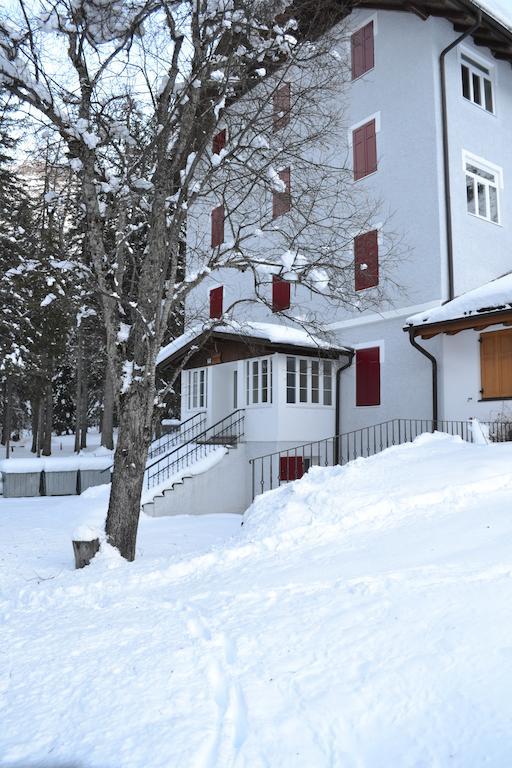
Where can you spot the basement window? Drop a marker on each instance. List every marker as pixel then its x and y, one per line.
pixel 477 83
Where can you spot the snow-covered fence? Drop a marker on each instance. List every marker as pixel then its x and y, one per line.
pixel 272 469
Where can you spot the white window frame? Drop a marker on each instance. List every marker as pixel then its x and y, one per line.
pixel 307 364
pixel 485 167
pixel 254 372
pixel 197 390
pixel 483 70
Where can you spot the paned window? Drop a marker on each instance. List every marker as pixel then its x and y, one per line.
pixel 258 381
pixel 308 381
pixel 482 192
pixel 477 84
pixel 197 382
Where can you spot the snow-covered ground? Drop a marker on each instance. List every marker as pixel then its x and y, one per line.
pixel 361 618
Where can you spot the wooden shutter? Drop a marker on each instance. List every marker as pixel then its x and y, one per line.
pixel 496 364
pixel 281 104
pixel 363 57
pixel 217 226
pixel 216 299
pixel 366 260
pixel 280 294
pixel 219 142
pixel 368 376
pixel 364 141
pixel 290 468
pixel 281 201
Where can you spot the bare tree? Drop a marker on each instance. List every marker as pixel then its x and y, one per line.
pixel 146 86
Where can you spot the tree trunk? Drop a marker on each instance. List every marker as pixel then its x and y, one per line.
pixel 35 406
pixel 48 418
pixel 8 415
pixel 107 417
pixel 131 453
pixel 84 409
pixel 78 393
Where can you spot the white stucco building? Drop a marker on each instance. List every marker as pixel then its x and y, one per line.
pixel 428 116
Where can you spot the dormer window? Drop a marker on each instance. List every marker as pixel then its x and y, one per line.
pixel 477 84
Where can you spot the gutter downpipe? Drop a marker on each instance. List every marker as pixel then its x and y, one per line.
pixel 338 405
pixel 446 151
pixel 435 404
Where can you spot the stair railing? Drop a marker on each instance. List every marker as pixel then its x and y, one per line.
pixel 227 431
pixel 186 430
pixel 272 469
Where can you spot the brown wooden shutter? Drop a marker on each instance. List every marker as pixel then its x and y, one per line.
pixel 368 376
pixel 217 226
pixel 281 201
pixel 219 142
pixel 366 260
pixel 281 294
pixel 363 56
pixel 281 103
pixel 216 297
pixel 496 364
pixel 364 141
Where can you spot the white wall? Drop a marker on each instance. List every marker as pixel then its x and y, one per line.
pixel 460 380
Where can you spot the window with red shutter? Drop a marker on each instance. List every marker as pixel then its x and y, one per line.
pixel 281 107
pixel 368 376
pixel 280 294
pixel 281 201
pixel 216 298
pixel 363 55
pixel 364 144
pixel 219 142
pixel 217 226
pixel 290 468
pixel 366 260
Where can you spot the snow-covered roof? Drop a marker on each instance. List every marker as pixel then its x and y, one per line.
pixel 271 333
pixel 501 10
pixel 491 297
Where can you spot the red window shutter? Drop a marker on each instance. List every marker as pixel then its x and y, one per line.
pixel 217 226
pixel 364 141
pixel 368 376
pixel 366 260
pixel 281 201
pixel 219 142
pixel 280 294
pixel 368 45
pixel 357 41
pixel 290 468
pixel 281 104
pixel 363 57
pixel 216 298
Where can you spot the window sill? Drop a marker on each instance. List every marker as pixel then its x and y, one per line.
pixel 494 399
pixel 478 106
pixel 359 77
pixel 481 218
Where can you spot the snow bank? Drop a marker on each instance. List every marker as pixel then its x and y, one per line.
pixel 372 491
pixel 361 617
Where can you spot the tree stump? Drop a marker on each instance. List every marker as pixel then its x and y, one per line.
pixel 84 551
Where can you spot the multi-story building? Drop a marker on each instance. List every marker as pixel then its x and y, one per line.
pixel 429 115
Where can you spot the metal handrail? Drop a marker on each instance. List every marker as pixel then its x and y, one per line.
pixel 230 426
pixel 276 467
pixel 161 444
